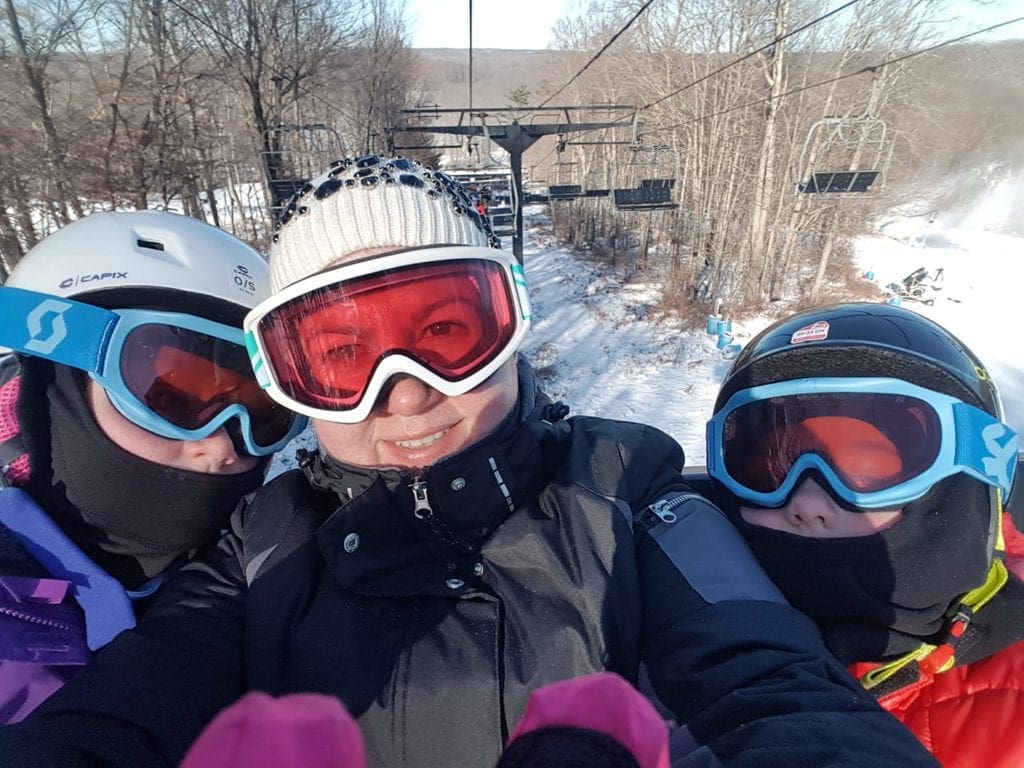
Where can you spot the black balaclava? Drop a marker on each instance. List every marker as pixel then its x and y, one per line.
pixel 879 596
pixel 133 517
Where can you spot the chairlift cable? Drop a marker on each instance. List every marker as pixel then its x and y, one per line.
pixel 721 69
pixel 597 55
pixel 743 58
pixel 863 70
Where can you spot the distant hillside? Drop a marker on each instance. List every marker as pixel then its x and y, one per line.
pixel 444 73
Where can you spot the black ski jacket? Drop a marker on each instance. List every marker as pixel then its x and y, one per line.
pixel 432 607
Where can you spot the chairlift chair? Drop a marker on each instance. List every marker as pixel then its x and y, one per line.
pixel 646 182
pixel 564 181
pixel 844 156
pixel 496 184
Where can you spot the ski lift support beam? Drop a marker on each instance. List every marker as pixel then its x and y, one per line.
pixel 514 137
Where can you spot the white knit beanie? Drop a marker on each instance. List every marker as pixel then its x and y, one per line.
pixel 371 202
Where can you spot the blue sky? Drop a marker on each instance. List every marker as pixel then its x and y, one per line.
pixel 526 24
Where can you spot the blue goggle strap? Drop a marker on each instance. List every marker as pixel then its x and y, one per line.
pixel 83 336
pixel 985 447
pixel 61 330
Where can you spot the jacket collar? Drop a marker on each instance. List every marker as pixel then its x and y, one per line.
pixel 378 539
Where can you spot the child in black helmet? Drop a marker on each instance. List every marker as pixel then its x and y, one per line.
pixel 861 451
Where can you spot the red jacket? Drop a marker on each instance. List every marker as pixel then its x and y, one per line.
pixel 970 716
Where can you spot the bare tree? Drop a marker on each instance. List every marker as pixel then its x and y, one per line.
pixel 275 47
pixel 38 31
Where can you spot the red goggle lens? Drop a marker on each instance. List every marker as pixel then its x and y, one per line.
pixel 452 317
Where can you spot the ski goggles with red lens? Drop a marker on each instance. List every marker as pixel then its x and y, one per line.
pixel 450 316
pixel 179 376
pixel 878 442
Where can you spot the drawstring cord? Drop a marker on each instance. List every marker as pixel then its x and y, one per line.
pixel 936 659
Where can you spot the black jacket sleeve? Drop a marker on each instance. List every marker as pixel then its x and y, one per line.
pixel 115 712
pixel 747 675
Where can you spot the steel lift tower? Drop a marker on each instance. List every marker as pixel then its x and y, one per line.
pixel 513 136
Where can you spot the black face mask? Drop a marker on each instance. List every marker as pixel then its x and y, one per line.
pixel 132 516
pixel 879 596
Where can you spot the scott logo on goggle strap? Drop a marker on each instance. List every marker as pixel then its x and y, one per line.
pixel 46 327
pixel 68 282
pixel 1003 458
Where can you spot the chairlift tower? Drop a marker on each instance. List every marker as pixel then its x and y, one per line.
pixel 513 136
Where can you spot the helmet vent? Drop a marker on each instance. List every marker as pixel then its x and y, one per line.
pixel 153 244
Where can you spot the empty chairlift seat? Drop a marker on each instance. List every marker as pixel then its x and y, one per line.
pixel 652 198
pixel 840 182
pixel 565 191
pixel 503 219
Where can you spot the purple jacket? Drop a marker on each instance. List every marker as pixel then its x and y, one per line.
pixel 49 626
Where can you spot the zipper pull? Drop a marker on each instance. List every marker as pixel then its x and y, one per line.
pixel 663 510
pixel 422 510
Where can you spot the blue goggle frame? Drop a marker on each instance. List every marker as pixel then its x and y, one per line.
pixel 91 339
pixel 971 441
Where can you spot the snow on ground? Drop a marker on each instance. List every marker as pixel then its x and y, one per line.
pixel 596 346
pixel 976 298
pixel 608 360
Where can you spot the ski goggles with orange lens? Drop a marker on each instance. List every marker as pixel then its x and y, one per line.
pixel 450 316
pixel 178 376
pixel 878 442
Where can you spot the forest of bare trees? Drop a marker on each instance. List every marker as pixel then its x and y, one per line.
pixel 135 103
pixel 141 103
pixel 741 133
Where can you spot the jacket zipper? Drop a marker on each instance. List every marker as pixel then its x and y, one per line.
pixel 664 510
pixel 36 619
pixel 422 510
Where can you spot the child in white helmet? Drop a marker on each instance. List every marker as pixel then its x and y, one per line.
pixel 130 424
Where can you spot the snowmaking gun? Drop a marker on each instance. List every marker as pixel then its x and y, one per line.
pixel 917 286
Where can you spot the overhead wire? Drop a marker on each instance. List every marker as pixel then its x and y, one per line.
pixel 723 68
pixel 743 58
pixel 870 68
pixel 597 55
pixel 863 70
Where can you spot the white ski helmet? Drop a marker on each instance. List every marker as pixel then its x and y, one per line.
pixel 118 259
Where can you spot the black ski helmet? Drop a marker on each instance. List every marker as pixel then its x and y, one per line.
pixel 863 339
